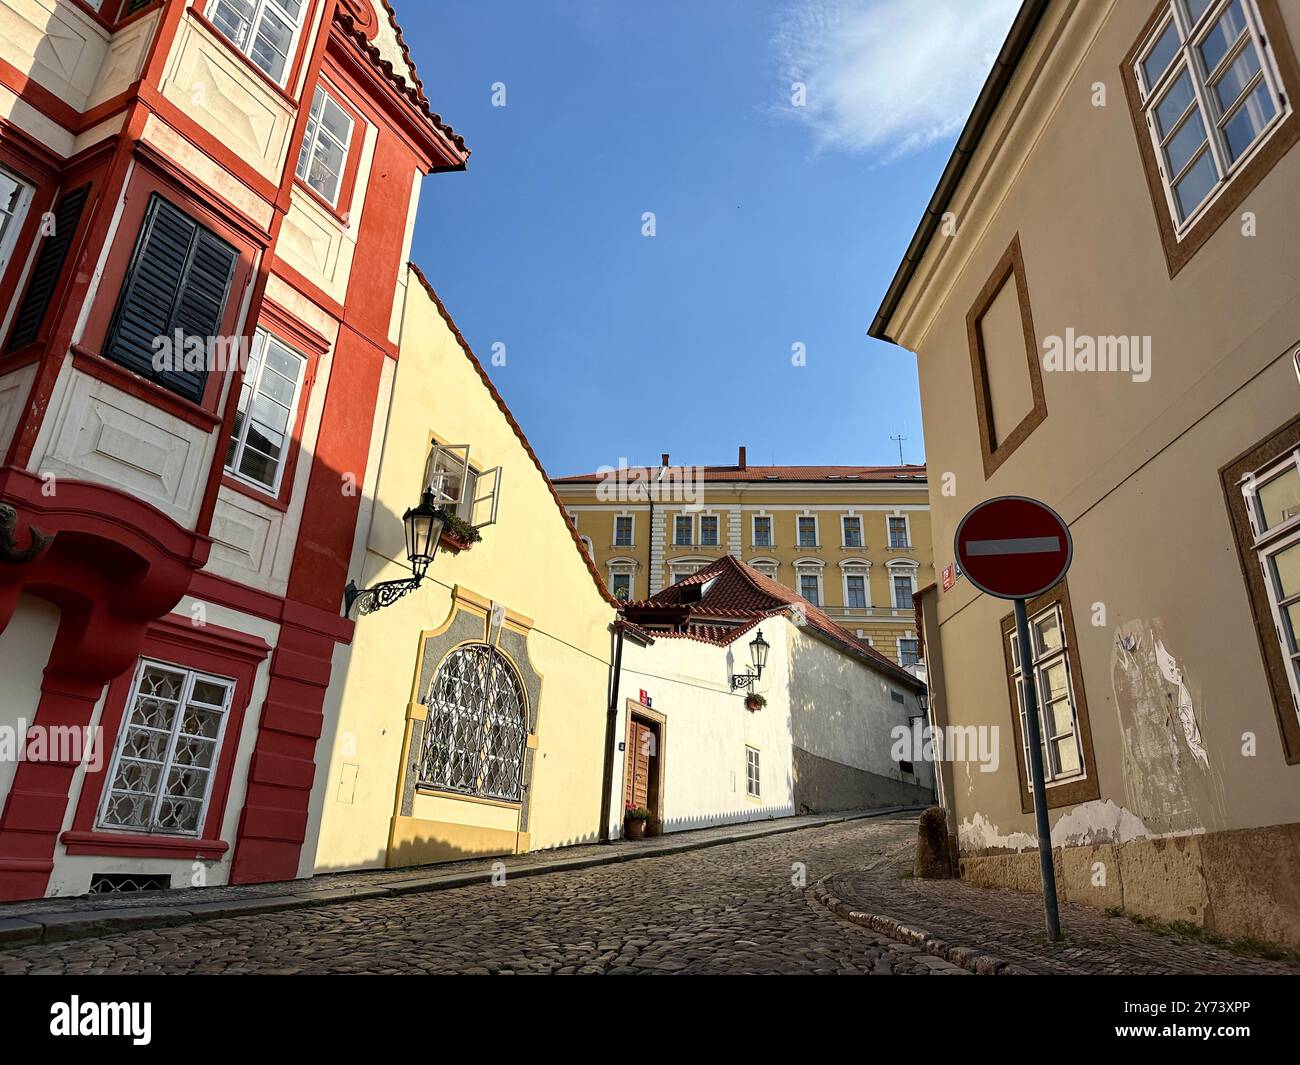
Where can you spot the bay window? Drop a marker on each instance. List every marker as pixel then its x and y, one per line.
pixel 266 31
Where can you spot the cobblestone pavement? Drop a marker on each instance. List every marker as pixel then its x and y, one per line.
pixel 1009 924
pixel 726 909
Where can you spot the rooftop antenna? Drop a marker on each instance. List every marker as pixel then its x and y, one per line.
pixel 900 440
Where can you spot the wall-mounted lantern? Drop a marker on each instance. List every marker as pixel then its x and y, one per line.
pixel 423 525
pixel 758 649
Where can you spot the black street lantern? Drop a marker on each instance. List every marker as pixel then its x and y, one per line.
pixel 758 648
pixel 423 531
pixel 423 526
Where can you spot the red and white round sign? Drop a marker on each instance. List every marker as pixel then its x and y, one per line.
pixel 1013 547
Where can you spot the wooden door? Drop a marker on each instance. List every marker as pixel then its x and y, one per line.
pixel 640 747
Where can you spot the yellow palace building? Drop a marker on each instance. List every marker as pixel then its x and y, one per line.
pixel 854 540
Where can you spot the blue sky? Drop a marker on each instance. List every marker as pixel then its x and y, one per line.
pixel 775 225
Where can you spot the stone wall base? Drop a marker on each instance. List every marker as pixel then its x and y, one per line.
pixel 1239 883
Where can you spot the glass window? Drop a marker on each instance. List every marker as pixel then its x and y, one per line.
pixel 709 529
pixel 621 585
pixel 1209 97
pixel 856 590
pixel 852 531
pixel 898 533
pixel 903 589
pixel 807 532
pixel 753 778
pixel 623 531
pixel 762 530
pixel 909 652
pixel 683 529
pixel 167 752
pixel 264 30
pixel 808 588
pixel 477 727
pixel 1062 756
pixel 15 197
pixel 325 147
pixel 264 420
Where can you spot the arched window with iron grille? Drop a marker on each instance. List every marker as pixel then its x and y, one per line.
pixel 477 727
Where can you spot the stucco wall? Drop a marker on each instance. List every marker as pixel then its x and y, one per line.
pixel 527 561
pixel 1132 466
pixel 842 717
pixel 708 729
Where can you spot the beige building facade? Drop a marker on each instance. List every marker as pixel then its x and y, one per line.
pixel 1104 303
pixel 854 540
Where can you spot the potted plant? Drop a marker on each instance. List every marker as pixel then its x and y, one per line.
pixel 634 821
pixel 754 701
pixel 457 533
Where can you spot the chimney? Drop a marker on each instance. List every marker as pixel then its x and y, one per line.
pixel 741 461
pixel 665 458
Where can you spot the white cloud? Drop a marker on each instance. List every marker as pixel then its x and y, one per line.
pixel 889 77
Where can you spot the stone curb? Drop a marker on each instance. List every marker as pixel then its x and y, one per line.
pixel 968 958
pixel 38 927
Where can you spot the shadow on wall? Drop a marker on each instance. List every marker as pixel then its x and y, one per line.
pixel 842 717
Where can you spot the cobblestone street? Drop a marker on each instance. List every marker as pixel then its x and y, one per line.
pixel 726 909
pixel 729 908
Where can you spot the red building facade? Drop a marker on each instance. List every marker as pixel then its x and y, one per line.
pixel 178 516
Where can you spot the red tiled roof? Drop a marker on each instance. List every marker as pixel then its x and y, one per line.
pixel 869 474
pixel 519 433
pixel 413 92
pixel 742 594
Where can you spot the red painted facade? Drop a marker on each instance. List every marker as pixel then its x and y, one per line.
pixel 119 563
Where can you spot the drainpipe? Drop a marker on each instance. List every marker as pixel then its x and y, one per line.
pixel 611 724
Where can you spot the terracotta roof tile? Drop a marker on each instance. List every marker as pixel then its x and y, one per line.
pixel 740 592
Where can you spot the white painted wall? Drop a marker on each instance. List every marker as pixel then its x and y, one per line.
pixel 709 728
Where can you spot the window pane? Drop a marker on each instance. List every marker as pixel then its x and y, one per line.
pixel 1292 615
pixel 1232 83
pixel 270 414
pixel 271 46
pixel 1174 104
pixel 1053 682
pixel 1060 717
pixel 1067 756
pixel 335 121
pixel 1161 55
pixel 1185 143
pixel 1286 571
pixel 1244 127
pixel 233 18
pixel 1195 9
pixel 1231 25
pixel 1047 633
pixel 1195 185
pixel 1279 498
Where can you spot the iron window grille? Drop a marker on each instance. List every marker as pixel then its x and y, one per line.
pixel 477 727
pixel 166 755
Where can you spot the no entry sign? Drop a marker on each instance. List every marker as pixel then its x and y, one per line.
pixel 1013 547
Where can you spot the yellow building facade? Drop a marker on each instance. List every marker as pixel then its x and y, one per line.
pixel 854 540
pixel 472 716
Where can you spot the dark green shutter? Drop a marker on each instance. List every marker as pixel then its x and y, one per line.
pixel 49 267
pixel 179 278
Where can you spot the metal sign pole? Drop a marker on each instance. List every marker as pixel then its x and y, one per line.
pixel 1036 772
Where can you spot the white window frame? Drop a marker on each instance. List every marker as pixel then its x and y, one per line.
pixel 762 563
pixel 907 532
pixel 261 340
pixel 844 531
pixel 754 519
pixel 622 567
pixel 908 639
pixel 312 138
pixel 817 531
pixel 245 48
pixel 1267 544
pixel 16 218
pixel 717 530
pixel 895 572
pixel 753 772
pixel 677 518
pixel 860 569
pixel 466 501
pixel 191 676
pixel 810 567
pixel 1041 660
pixel 631 530
pixel 1188 58
pixel 681 568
